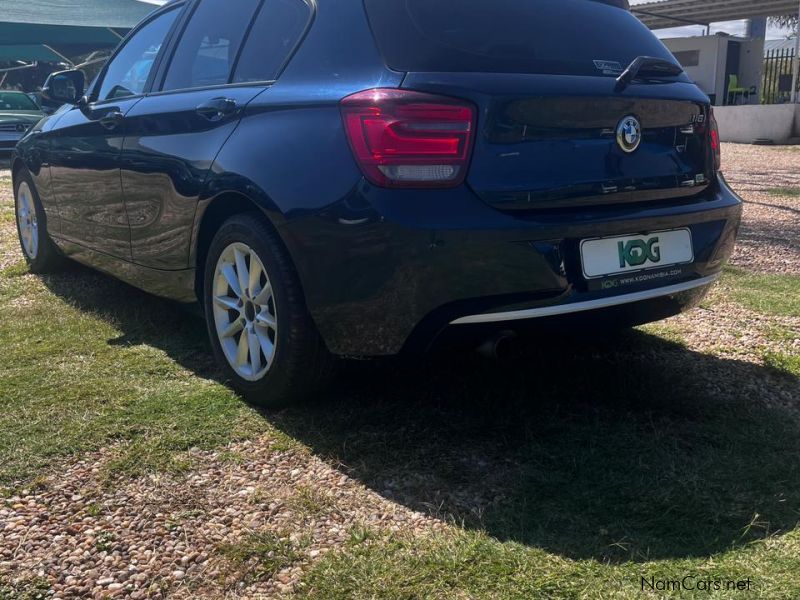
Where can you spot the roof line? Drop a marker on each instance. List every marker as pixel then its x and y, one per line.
pixel 668 17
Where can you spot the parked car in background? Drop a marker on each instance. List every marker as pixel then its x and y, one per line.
pixel 360 177
pixel 18 114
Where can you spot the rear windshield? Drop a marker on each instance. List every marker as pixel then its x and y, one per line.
pixel 570 37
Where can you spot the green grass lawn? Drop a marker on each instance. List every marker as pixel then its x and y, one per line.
pixel 465 564
pixel 88 363
pixel 785 191
pixel 572 470
pixel 768 294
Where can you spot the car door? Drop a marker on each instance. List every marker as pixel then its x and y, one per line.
pixel 174 134
pixel 86 145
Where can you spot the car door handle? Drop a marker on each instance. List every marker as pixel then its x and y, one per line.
pixel 112 120
pixel 217 109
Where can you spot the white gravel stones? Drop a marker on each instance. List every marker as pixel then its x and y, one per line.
pixel 153 535
pixel 770 237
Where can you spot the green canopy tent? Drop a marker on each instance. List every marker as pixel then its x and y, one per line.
pixel 27 53
pixel 55 30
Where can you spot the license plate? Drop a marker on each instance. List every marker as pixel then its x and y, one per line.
pixel 611 256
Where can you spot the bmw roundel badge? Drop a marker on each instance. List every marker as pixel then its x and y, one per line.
pixel 629 134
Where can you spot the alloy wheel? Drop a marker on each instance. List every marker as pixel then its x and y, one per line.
pixel 27 221
pixel 245 313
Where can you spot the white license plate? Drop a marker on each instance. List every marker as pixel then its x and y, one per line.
pixel 612 256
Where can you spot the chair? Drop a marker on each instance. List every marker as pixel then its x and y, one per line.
pixel 734 89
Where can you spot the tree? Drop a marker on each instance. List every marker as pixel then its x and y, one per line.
pixel 786 21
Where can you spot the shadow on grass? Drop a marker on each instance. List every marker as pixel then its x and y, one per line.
pixel 632 449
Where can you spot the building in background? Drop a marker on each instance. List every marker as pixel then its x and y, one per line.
pixel 755 86
pixel 727 68
pixel 730 69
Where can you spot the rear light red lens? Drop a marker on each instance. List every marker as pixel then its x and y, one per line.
pixel 402 138
pixel 716 147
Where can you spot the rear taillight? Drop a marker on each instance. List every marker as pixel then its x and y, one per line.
pixel 402 138
pixel 713 138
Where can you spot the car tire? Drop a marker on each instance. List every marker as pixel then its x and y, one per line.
pixel 38 248
pixel 260 329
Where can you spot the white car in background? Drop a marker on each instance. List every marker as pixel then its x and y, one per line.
pixel 18 113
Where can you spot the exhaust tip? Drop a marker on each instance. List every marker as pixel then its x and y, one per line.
pixel 498 346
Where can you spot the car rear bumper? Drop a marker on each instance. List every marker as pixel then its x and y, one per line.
pixel 386 271
pixel 580 306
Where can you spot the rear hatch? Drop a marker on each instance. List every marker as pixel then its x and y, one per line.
pixel 543 75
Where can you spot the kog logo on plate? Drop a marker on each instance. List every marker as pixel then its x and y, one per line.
pixel 635 253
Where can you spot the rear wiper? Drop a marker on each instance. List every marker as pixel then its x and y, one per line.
pixel 647 66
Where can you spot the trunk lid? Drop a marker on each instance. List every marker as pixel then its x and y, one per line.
pixel 550 141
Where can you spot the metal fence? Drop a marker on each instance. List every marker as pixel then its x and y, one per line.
pixel 777 85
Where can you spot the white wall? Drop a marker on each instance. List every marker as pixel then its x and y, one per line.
pixel 745 124
pixel 797 122
pixel 705 74
pixel 710 74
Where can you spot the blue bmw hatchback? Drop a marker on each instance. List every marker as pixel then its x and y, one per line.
pixel 359 177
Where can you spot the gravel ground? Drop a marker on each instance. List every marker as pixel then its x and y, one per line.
pixel 727 330
pixel 769 242
pixel 160 536
pixel 770 237
pixel 154 534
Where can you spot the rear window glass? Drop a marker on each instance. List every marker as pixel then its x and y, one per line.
pixel 571 37
pixel 277 29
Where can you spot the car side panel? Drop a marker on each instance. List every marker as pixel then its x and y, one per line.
pixel 166 157
pixel 173 285
pixel 84 168
pixel 290 153
pixel 33 151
